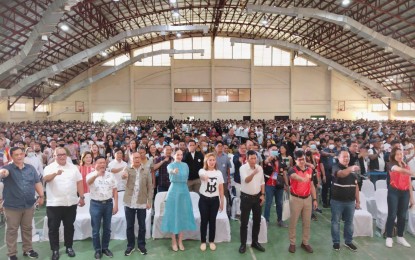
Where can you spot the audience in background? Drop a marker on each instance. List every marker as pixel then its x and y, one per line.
pixel 57 146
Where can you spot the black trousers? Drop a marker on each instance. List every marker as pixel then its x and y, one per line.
pixel 326 189
pixel 208 208
pixel 248 203
pixel 56 215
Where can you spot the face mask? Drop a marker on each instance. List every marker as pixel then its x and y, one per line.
pixel 317 143
pixel 223 136
pixel 274 153
pixel 31 154
pixel 313 147
pixel 268 136
pixel 204 148
pixel 331 146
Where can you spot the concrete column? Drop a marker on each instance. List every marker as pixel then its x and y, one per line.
pixel 132 88
pixel 251 82
pixel 212 79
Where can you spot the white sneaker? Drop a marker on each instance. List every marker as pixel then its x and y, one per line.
pixel 402 241
pixel 389 242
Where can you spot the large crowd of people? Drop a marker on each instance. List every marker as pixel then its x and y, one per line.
pixel 311 160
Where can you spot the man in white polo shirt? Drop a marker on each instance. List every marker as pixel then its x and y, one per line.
pixel 252 198
pixel 103 188
pixel 64 181
pixel 116 167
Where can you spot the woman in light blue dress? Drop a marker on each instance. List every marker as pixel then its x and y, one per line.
pixel 178 211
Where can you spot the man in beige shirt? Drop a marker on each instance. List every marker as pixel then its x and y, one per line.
pixel 137 199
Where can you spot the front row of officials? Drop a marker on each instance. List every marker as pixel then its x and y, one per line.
pixel 21 182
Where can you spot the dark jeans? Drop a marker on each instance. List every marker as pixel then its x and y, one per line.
pixel 326 190
pixel 342 210
pixel 398 201
pixel 375 176
pixel 248 203
pixel 208 208
pixel 130 215
pixel 101 212
pixel 270 193
pixel 56 215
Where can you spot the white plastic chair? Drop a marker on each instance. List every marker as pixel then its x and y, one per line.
pixel 223 227
pixel 381 196
pixel 118 221
pixel 263 232
pixel 362 220
pixel 381 184
pixel 236 200
pixel 82 224
pixel 368 189
pixel 158 215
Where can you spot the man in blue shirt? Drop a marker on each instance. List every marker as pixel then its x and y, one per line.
pixel 20 183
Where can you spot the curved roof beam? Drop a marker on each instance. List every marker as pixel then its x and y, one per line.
pixel 33 79
pixel 77 86
pixel 37 38
pixel 373 86
pixel 388 43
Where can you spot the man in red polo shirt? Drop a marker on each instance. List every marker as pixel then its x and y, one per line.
pixel 302 199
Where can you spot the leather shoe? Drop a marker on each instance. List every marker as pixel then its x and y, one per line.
pixel 258 246
pixel 242 249
pixel 307 248
pixel 291 249
pixel 55 255
pixel 98 254
pixel 70 252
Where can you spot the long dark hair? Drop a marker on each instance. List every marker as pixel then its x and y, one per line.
pixel 392 159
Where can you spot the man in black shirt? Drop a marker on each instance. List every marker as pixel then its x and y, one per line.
pixel 194 160
pixel 345 192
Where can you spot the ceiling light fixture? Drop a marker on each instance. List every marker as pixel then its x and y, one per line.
pixel 265 21
pixel 178 35
pixel 64 27
pixel 172 1
pixel 104 54
pixel 346 2
pixel 176 14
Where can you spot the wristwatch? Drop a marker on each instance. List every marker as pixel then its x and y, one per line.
pixel 82 197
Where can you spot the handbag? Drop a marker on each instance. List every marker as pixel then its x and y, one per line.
pixel 286 206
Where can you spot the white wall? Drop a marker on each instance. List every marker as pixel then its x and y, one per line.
pixel 15 116
pixel 298 92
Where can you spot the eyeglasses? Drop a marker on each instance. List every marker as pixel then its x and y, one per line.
pixel 61 155
pixel 301 159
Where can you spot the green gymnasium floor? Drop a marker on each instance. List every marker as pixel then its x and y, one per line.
pixel 276 248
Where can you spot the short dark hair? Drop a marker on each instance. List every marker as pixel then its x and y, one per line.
pixel 99 157
pixel 218 142
pixel 13 149
pixel 191 141
pixel 250 152
pixel 298 154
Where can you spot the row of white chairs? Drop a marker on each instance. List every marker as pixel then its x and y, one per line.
pixel 377 204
